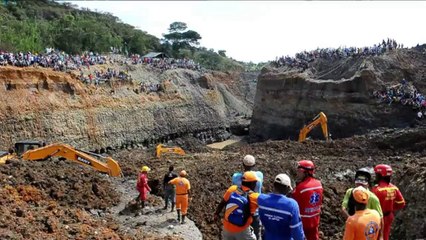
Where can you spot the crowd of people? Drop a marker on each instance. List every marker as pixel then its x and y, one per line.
pixel 100 76
pixel 289 212
pixel 403 93
pixel 165 63
pixel 302 59
pixel 58 60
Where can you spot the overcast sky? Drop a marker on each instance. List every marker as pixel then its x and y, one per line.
pixel 260 31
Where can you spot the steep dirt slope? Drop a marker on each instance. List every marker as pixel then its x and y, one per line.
pixel 287 99
pixel 52 106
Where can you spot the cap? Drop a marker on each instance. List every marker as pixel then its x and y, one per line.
pixel 283 179
pixel 183 173
pixel 360 195
pixel 249 160
pixel 249 176
pixel 145 169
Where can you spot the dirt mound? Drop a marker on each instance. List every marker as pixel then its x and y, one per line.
pixel 411 222
pixel 45 199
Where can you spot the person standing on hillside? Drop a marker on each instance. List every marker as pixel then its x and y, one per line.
pixel 249 163
pixel 389 195
pixel 308 194
pixel 279 214
pixel 240 204
pixel 169 189
pixel 365 223
pixel 183 194
pixel 142 185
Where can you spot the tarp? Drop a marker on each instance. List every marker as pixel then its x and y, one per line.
pixel 155 55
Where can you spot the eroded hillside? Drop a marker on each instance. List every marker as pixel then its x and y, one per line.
pixel 54 106
pixel 286 98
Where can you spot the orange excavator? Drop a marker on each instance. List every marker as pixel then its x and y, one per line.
pixel 33 150
pixel 161 149
pixel 318 119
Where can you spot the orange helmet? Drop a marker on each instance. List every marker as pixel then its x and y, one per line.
pixel 307 165
pixel 249 176
pixel 183 173
pixel 383 170
pixel 360 195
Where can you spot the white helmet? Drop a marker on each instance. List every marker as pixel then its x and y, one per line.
pixel 249 160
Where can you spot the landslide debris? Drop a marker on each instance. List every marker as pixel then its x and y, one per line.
pixel 60 200
pixel 210 175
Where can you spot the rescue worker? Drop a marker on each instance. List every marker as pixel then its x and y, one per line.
pixel 249 163
pixel 279 214
pixel 308 194
pixel 362 178
pixel 142 185
pixel 230 230
pixel 169 189
pixel 183 194
pixel 365 223
pixel 389 195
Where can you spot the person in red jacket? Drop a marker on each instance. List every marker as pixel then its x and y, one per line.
pixel 142 185
pixel 308 194
pixel 389 196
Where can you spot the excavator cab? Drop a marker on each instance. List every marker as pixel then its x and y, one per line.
pixel 321 118
pixel 23 146
pixel 161 149
pixel 4 156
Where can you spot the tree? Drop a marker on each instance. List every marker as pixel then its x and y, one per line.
pixel 222 53
pixel 181 38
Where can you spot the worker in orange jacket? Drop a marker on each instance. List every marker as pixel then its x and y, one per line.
pixel 365 223
pixel 183 194
pixel 389 195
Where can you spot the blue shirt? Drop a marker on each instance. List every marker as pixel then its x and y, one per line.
pixel 281 217
pixel 237 179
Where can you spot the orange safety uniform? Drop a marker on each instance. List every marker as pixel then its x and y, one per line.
pixel 182 187
pixel 391 200
pixel 232 228
pixel 363 225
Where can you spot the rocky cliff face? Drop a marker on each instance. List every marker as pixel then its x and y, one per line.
pixel 56 107
pixel 287 99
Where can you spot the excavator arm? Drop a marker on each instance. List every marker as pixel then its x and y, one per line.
pixel 160 149
pixel 319 119
pixel 110 167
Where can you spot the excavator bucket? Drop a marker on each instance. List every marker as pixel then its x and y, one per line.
pixel 115 170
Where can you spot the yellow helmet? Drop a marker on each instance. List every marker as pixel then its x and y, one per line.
pixel 145 169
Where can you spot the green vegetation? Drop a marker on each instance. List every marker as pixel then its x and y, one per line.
pixel 33 25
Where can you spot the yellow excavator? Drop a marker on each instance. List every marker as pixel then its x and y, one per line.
pixel 33 150
pixel 318 119
pixel 161 149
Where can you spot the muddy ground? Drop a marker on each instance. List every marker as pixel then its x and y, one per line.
pixel 57 199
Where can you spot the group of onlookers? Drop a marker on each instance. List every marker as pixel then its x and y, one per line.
pixel 165 63
pixel 58 60
pixel 302 59
pixel 404 93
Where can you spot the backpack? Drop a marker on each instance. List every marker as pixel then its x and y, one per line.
pixel 237 210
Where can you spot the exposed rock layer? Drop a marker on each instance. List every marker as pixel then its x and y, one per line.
pixel 286 99
pixel 56 107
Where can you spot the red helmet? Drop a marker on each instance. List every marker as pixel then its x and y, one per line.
pixel 307 165
pixel 383 170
